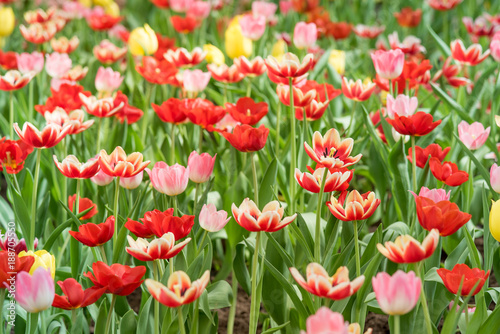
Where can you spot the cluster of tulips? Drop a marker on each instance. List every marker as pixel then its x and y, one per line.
pixel 249 122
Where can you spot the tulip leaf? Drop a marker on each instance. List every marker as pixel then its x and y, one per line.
pixel 240 269
pixel 475 96
pixel 145 319
pixel 490 244
pixel 268 182
pixel 128 323
pixel 100 324
pixel 451 102
pixel 320 65
pixel 55 234
pixel 445 49
pixel 275 329
pixel 220 295
pixel 492 324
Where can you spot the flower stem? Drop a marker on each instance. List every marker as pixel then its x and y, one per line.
pixel 255 183
pixel 278 119
pixel 157 303
pixel 201 243
pixel 74 244
pixel 356 249
pixel 11 115
pixel 254 305
pixel 414 164
pixel 30 114
pixel 397 329
pixel 423 300
pixel 249 87
pixel 293 163
pixel 232 310
pixel 110 314
pixel 181 320
pixel 172 145
pixel 103 253
pixel 31 239
pixel 117 193
pixel 2 298
pixel 99 127
pixel 145 118
pixel 73 317
pixel 194 326
pixel 317 235
pixel 346 132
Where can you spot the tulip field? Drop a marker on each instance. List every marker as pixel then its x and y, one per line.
pixel 226 166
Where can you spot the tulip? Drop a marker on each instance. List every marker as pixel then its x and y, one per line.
pixel 397 294
pixel 107 80
pixel 422 155
pixel 11 264
pixel 102 179
pixel 212 220
pixel 93 235
pixel 181 57
pixel 462 274
pixel 247 111
pixel 170 111
pixel 201 112
pixel 180 6
pixel 179 289
pixel 12 243
pixel 495 220
pixel 248 216
pixel 169 180
pixel 448 172
pixel 305 35
pixel 250 68
pixel 57 64
pixel 495 177
pixel 300 99
pixel 35 292
pixel 326 321
pixel 357 90
pixel 495 49
pixel 330 151
pixel 74 296
pixel 408 250
pixel 337 61
pixel 143 41
pixel 213 54
pixel 42 259
pixel 236 44
pixel 162 248
pixel 108 53
pixel 225 74
pixel 410 45
pixel 157 223
pixel 38 33
pixel 14 80
pixel 184 25
pixel 263 8
pixel 436 195
pixel 252 27
pixel 118 164
pixel 118 279
pixel 13 154
pixel 403 105
pixel 353 206
pixel 443 216
pixel 195 81
pixel 443 5
pixel 156 71
pixel 471 56
pixel 8 20
pixel 131 182
pixel 320 284
pixel 388 64
pixel 337 180
pixel 285 6
pixel 72 168
pixel 370 32
pixel 65 45
pixel 49 137
pixel 418 124
pixel 408 17
pixel 30 62
pixel 200 166
pixel 244 138
pixel 473 135
pixel 289 66
pixel 199 9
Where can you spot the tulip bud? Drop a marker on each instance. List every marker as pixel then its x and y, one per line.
pixel 8 21
pixel 398 294
pixel 495 220
pixel 42 259
pixel 214 55
pixel 337 61
pixel 236 44
pixel 212 220
pixel 495 177
pixel 131 182
pixel 36 292
pixel 200 166
pixel 143 41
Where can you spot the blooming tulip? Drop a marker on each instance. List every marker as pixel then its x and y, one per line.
pixel 118 164
pixel 57 64
pixel 320 284
pixel 11 264
pixel 131 182
pixel 470 56
pixel 93 235
pixel 418 124
pixel 74 296
pixel 201 112
pixel 180 6
pixel 184 25
pixel 408 250
pixel 102 179
pixel 161 248
pixel 403 105
pixel 200 166
pixel 388 64
pixel 83 205
pixel 225 74
pixel 408 17
pixel 107 80
pixel 370 32
pixel 14 80
pixel 13 154
pixel 289 66
pixel 443 216
pixel 437 195
pixel 357 90
pixel 462 274
pixel 397 294
pixel 248 216
pixel 65 45
pixel 72 168
pixel 179 289
pixel 263 8
pixel 169 180
pixel 252 27
pixel 247 111
pixel 30 62
pixel 423 155
pixel 244 138
pixel 195 81
pixel 118 279
pixel 473 135
pixel 50 136
pixel 326 321
pixel 38 33
pixel 338 180
pixel 101 108
pixel 42 259
pixel 143 41
pixel 199 9
pixel 108 53
pixel 181 57
pixel 250 68
pixel 305 35
pixel 157 223
pixel 448 172
pixel 35 292
pixel 300 99
pixel 212 220
pixel 354 206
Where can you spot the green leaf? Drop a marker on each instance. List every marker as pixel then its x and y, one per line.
pixel 220 295
pixel 275 329
pixel 492 324
pixel 128 323
pixel 445 49
pixel 145 322
pixel 451 102
pixel 240 269
pixel 100 325
pixel 268 182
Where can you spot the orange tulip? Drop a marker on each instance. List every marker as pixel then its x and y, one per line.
pixel 408 250
pixel 354 206
pixel 118 164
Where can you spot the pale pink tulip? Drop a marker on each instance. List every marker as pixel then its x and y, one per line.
pixel 107 80
pixel 253 27
pixel 170 180
pixel 57 64
pixel 212 220
pixel 30 62
pixel 325 321
pixel 131 182
pixel 101 178
pixel 305 35
pixel 35 293
pixel 495 49
pixel 199 9
pixel 195 80
pixel 402 105
pixel 398 294
pixel 436 195
pixel 263 8
pixel 200 166
pixel 495 177
pixel 473 135
pixel 180 6
pixel 285 6
pixel 388 64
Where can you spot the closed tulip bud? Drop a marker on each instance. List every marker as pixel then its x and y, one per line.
pixel 112 9
pixel 212 220
pixel 397 295
pixel 42 259
pixel 200 166
pixel 143 41
pixel 235 43
pixel 305 35
pixel 214 55
pixel 8 21
pixel 495 177
pixel 36 292
pixel 170 180
pixel 337 61
pixel 495 220
pixel 131 182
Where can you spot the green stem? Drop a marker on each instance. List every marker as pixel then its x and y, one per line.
pixel 423 300
pixel 317 235
pixel 294 150
pixel 346 132
pixel 201 243
pixel 200 140
pixel 172 145
pixel 2 299
pixel 414 164
pixel 194 327
pixel 145 118
pixel 157 304
pixel 225 94
pixel 232 309
pixel 30 114
pixel 470 187
pixel 255 182
pixel 103 253
pixel 278 120
pixel 174 204
pixel 73 317
pixel 254 305
pixel 249 87
pixel 99 127
pixel 115 211
pixel 74 244
pixel 11 115
pixel 396 325
pixel 110 314
pixel 181 320
pixel 31 239
pixel 356 249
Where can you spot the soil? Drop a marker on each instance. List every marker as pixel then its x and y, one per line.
pixel 378 322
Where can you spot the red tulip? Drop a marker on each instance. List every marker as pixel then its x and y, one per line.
pixel 250 68
pixel 300 99
pixel 83 204
pixel 252 219
pixel 108 53
pixel 170 111
pixel 75 297
pixel 447 172
pixel 418 124
pixel 158 72
pixel 181 57
pixel 162 248
pixel 408 17
pixel 422 154
pixel 50 136
pixel 118 279
pixel 471 56
pixel 408 250
pixel 67 97
pixel 202 112
pixel 157 223
pixel 127 112
pixel 72 168
pixel 462 272
pixel 225 74
pixel 244 138
pixel 14 80
pixel 353 206
pixel 357 90
pixel 444 216
pixel 100 21
pixel 289 66
pixel 118 164
pixel 10 265
pixel 247 111
pixel 94 235
pixel 184 25
pixel 13 153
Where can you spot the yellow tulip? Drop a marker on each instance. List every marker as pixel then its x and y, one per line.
pixel 8 21
pixel 495 220
pixel 236 44
pixel 214 55
pixel 86 3
pixel 337 61
pixel 383 97
pixel 143 41
pixel 42 259
pixel 102 3
pixel 279 49
pixel 112 9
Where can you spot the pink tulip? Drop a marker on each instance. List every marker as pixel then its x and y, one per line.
pixel 285 6
pixel 398 294
pixel 30 62
pixel 495 49
pixel 495 178
pixel 253 27
pixel 35 293
pixel 200 166
pixel 57 64
pixel 107 80
pixel 170 180
pixel 436 195
pixel 195 80
pixel 263 8
pixel 131 182
pixel 325 321
pixel 305 35
pixel 402 105
pixel 212 220
pixel 389 64
pixel 199 9
pixel 101 178
pixel 180 6
pixel 473 135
